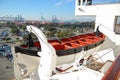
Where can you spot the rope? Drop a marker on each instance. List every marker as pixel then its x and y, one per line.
pixel 104 54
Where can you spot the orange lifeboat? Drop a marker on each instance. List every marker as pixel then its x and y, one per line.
pixel 69 45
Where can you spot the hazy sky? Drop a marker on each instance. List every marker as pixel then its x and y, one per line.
pixel 33 9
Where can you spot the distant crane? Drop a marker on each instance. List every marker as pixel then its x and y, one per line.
pixel 42 18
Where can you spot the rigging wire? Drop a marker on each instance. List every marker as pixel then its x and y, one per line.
pixel 103 54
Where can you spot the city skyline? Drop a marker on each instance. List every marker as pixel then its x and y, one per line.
pixel 34 9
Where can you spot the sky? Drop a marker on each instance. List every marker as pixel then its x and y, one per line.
pixel 33 9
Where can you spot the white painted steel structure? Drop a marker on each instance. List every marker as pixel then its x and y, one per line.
pixel 105 17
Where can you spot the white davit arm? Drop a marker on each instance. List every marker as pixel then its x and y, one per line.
pixel 48 54
pixel 110 34
pixel 41 37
